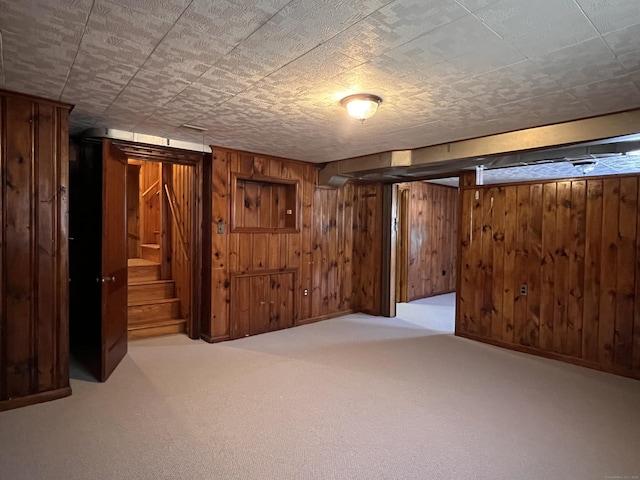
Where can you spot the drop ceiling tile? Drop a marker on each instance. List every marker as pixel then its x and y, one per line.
pixel 607 96
pixel 630 61
pixel 230 20
pixel 625 40
pixel 98 87
pixel 369 78
pixel 508 84
pixel 610 15
pixel 304 72
pixel 152 88
pixel 224 81
pixel 475 5
pixel 124 22
pixel 103 47
pixel 537 27
pixel 196 99
pixel 168 10
pixel 186 53
pixel 45 14
pixel 411 18
pixel 580 64
pixel 464 38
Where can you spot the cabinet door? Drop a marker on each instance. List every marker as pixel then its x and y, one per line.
pixel 282 311
pixel 241 307
pixel 259 308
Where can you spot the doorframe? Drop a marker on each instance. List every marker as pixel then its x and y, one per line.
pixel 201 187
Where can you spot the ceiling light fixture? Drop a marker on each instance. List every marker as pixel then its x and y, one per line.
pixel 361 105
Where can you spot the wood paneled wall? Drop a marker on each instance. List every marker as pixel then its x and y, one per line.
pixel 432 229
pixel 320 251
pixel 181 189
pixel 575 248
pixel 367 248
pixel 34 321
pixel 150 199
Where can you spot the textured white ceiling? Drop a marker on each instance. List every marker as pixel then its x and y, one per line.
pixel 267 75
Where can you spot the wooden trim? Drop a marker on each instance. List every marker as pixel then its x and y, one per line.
pixel 329 316
pixel 388 274
pixel 157 153
pixel 204 224
pixel 34 399
pixel 165 236
pixel 270 271
pixel 318 166
pixel 35 99
pixel 551 180
pixel 459 240
pixel 219 338
pixel 551 355
pixel 146 192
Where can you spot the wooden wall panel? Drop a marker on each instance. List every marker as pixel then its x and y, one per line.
pixel 431 233
pixel 34 344
pixel 573 247
pixel 367 248
pixel 320 252
pixel 182 226
pixel 150 198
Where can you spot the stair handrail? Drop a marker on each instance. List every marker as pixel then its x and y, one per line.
pixel 183 243
pixel 155 184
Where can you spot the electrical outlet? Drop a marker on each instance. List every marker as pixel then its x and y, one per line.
pixel 523 290
pixel 305 292
pixel 221 227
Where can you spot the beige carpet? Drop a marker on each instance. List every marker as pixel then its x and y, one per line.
pixel 351 398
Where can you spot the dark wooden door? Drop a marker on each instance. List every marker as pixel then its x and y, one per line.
pixel 114 258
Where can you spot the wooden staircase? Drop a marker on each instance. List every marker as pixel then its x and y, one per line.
pixel 153 308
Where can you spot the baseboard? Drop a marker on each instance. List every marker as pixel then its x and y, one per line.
pixel 210 339
pixel 323 317
pixel 431 295
pixel 551 355
pixel 33 399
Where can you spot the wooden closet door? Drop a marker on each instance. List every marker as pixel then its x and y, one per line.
pixel 114 259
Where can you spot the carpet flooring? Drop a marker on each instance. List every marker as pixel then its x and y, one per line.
pixel 357 397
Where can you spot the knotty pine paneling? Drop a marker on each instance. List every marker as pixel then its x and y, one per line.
pixel 150 198
pixel 574 245
pixel 320 252
pixel 367 248
pixel 432 229
pixel 34 319
pixel 182 235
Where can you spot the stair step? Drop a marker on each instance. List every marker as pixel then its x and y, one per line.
pixel 153 290
pixel 141 270
pixel 156 328
pixel 150 251
pixel 163 309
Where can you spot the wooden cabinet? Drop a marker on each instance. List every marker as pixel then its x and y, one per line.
pixel 34 335
pixel 262 302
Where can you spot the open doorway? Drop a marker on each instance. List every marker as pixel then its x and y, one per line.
pixel 425 253
pixel 159 225
pixel 108 212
